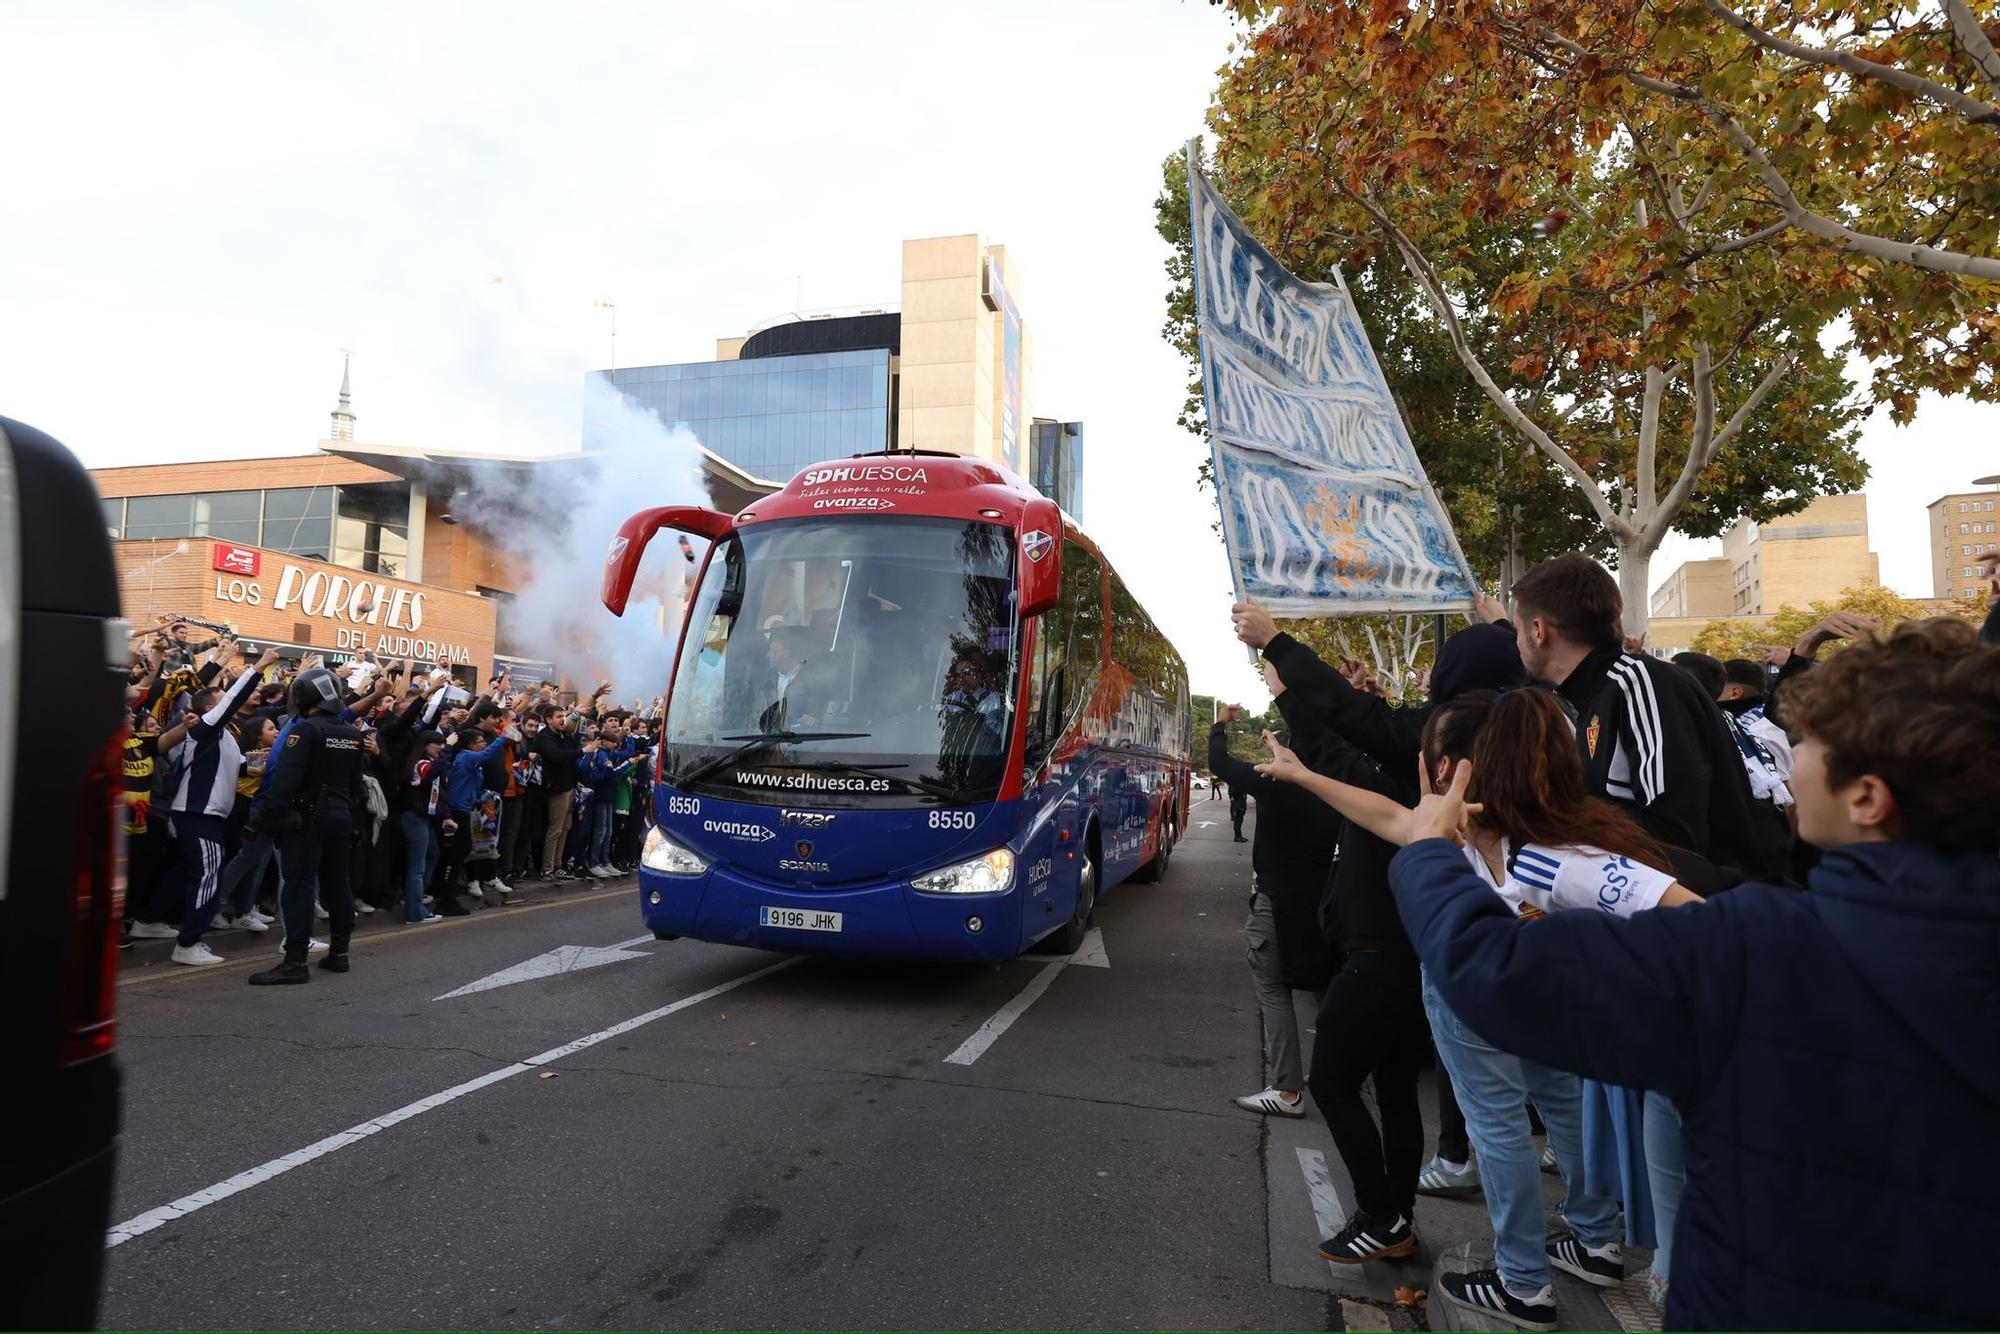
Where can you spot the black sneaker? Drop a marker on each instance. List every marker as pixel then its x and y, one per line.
pixel 1482 1291
pixel 1365 1239
pixel 1601 1265
pixel 452 908
pixel 334 963
pixel 284 974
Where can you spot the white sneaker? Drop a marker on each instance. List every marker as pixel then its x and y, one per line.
pixel 428 900
pixel 602 872
pixel 472 889
pixel 196 955
pixel 222 922
pixel 260 915
pixel 319 910
pixel 499 886
pixel 154 931
pixel 363 907
pixel 313 946
pixel 1269 1103
pixel 249 921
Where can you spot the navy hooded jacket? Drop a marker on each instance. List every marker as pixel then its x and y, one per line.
pixel 1835 1055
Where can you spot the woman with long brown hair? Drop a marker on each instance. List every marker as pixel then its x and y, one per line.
pixel 1541 842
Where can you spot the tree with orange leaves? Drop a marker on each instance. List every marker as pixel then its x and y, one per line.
pixel 1655 336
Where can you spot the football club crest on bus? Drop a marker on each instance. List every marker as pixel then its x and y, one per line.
pixel 1590 736
pixel 1037 544
pixel 618 545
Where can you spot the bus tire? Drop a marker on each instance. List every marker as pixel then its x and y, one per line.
pixel 1155 870
pixel 1069 939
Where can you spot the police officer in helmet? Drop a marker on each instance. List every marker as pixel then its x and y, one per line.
pixel 313 796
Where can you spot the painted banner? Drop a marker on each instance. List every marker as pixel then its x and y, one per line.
pixel 1325 508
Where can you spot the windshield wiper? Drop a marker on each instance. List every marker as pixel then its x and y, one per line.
pixel 924 785
pixel 755 742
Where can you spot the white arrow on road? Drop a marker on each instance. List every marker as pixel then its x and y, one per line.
pixel 561 959
pixel 1204 824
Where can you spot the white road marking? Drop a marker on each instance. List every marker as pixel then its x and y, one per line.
pixel 1326 1202
pixel 256 1176
pixel 1090 955
pixel 1204 824
pixel 561 959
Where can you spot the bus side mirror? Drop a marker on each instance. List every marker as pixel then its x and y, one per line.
pixel 1041 556
pixel 621 561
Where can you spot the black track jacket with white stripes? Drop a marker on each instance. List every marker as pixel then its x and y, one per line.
pixel 1654 743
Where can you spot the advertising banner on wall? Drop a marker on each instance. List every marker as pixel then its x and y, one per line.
pixel 1325 508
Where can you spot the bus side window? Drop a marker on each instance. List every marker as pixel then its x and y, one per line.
pixel 1083 607
pixel 1045 686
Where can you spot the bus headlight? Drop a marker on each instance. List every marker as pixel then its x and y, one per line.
pixel 664 855
pixel 990 873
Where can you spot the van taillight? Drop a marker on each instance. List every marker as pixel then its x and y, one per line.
pixel 97 909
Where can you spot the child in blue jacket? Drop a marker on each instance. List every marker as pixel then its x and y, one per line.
pixel 1835 1054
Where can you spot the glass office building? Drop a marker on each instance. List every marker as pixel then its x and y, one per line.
pixel 362 527
pixel 772 416
pixel 1055 453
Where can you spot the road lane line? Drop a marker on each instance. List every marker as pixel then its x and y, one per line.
pixel 989 1032
pixel 373 937
pixel 1326 1203
pixel 1091 954
pixel 256 1176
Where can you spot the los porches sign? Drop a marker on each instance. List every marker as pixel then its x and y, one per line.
pixel 275 596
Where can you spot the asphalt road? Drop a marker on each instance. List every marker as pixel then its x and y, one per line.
pixel 794 1151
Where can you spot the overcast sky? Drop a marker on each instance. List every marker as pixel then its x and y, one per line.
pixel 205 204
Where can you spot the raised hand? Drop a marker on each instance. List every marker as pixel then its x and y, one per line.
pixel 1840 625
pixel 1284 765
pixel 1253 625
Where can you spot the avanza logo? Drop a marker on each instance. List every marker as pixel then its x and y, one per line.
pixel 865 472
pixel 748 833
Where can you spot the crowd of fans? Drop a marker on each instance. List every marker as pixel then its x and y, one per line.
pixel 465 799
pixel 1728 933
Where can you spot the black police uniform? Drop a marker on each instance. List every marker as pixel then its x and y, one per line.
pixel 313 797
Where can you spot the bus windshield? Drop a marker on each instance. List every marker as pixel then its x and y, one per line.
pixel 849 661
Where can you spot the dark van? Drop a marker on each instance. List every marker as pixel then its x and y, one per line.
pixel 62 727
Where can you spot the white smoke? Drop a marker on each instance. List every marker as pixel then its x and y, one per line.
pixel 552 523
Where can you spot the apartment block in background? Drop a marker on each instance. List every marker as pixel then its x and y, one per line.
pixel 1962 526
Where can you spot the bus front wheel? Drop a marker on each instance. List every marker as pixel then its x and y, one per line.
pixel 1070 939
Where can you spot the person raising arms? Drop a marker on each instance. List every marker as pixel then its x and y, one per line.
pixel 1846 1029
pixel 1539 842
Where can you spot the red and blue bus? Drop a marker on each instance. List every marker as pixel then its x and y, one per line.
pixel 914 713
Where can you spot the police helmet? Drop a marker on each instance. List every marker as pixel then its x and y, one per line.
pixel 315 689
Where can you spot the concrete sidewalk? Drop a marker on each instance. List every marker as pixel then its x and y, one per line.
pixel 1311 1196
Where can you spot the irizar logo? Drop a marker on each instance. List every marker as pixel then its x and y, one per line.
pixel 746 833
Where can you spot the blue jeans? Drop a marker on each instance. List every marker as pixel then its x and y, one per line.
pixel 244 875
pixel 1666 1175
pixel 420 859
pixel 600 833
pixel 1493 1089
